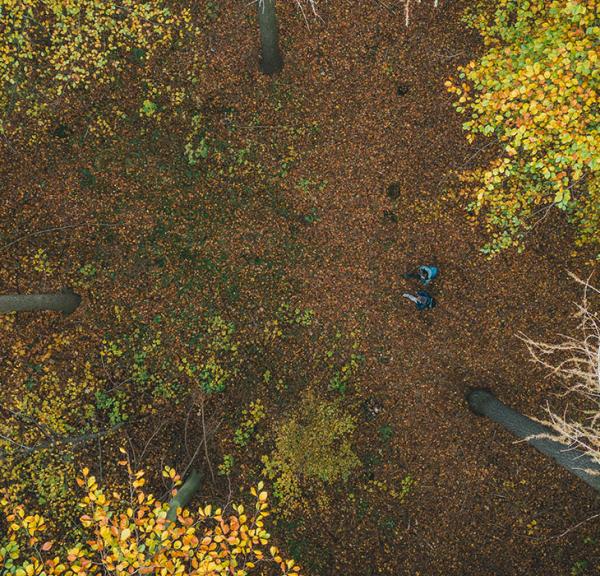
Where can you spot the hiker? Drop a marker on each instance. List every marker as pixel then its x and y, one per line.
pixel 425 274
pixel 423 300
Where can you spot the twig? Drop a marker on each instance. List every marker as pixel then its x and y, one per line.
pixel 477 152
pixel 407 9
pixel 185 471
pixel 202 443
pixel 386 6
pixel 22 446
pixel 159 427
pixel 54 229
pixel 185 430
pixel 576 526
pixel 212 474
pixel 100 474
pixel 132 448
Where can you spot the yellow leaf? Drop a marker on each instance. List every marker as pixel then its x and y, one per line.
pixel 125 534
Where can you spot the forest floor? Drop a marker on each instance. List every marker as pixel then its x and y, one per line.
pixel 305 216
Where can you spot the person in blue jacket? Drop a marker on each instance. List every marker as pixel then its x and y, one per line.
pixel 423 300
pixel 425 274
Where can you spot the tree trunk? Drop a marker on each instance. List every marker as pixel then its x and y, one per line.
pixel 484 403
pixel 184 494
pixel 66 302
pixel 271 61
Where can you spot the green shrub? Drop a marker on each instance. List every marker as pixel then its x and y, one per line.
pixel 312 448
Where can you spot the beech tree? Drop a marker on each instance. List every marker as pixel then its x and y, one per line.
pixel 484 403
pixel 184 495
pixel 271 60
pixel 137 533
pixel 533 92
pixel 66 302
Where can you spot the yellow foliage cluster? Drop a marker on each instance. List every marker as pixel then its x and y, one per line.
pixel 313 448
pixel 40 263
pixel 40 393
pixel 535 89
pixel 50 48
pixel 251 419
pixel 48 402
pixel 69 388
pixel 123 536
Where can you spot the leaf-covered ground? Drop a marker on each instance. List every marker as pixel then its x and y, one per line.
pixel 321 187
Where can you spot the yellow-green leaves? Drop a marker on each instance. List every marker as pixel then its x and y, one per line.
pixel 49 48
pixel 535 91
pixel 137 538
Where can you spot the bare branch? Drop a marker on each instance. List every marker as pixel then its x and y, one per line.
pixel 575 361
pixel 55 229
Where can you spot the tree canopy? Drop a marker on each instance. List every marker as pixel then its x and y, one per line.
pixel 535 90
pixel 123 535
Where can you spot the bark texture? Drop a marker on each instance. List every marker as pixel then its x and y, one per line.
pixel 271 61
pixel 184 494
pixel 484 403
pixel 66 302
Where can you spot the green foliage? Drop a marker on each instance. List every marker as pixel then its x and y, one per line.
pixel 312 217
pixel 212 10
pixel 115 406
pixel 88 270
pixel 339 381
pixel 88 180
pixel 312 448
pixel 391 490
pixel 212 359
pixel 386 433
pixel 306 185
pixel 65 388
pixel 579 568
pixel 226 466
pixel 196 146
pixel 295 316
pixel 405 487
pixel 535 91
pixel 251 419
pixel 287 317
pixel 344 366
pixel 148 108
pixel 137 357
pixel 586 566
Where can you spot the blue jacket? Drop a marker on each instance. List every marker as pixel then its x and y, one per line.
pixel 424 300
pixel 427 274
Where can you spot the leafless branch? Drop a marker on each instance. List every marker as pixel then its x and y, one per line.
pixel 304 6
pixel 407 7
pixel 55 229
pixel 200 445
pixel 576 526
pixel 575 360
pixel 212 474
